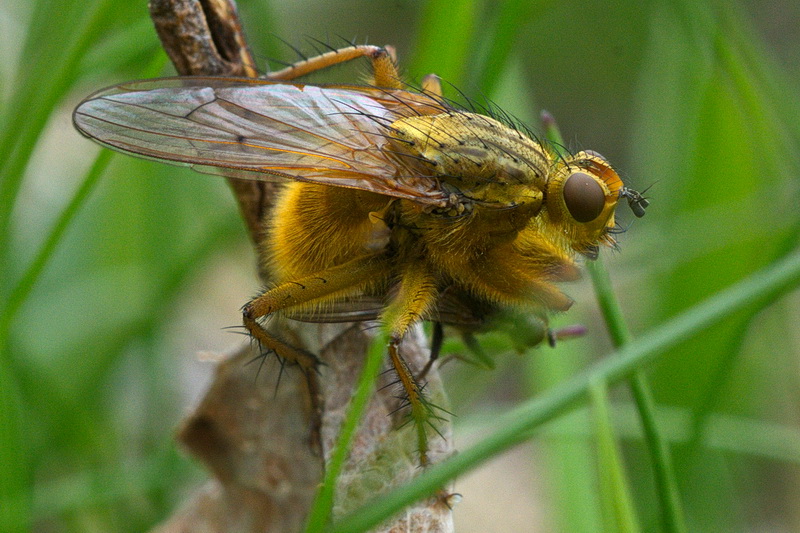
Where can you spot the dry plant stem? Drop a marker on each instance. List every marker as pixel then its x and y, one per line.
pixel 254 437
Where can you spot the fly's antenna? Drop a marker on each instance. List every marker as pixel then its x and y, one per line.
pixel 636 201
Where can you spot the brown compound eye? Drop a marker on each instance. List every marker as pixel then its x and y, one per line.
pixel 584 197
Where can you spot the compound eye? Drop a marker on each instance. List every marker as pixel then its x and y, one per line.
pixel 584 197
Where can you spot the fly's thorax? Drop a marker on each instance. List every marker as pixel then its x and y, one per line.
pixel 476 157
pixel 582 194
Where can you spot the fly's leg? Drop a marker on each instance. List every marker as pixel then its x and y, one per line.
pixel 384 69
pixel 416 297
pixel 318 287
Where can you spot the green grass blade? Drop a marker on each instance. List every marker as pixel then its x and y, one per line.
pixel 729 435
pixel 571 469
pixel 15 468
pixel 501 38
pixel 320 514
pixel 23 288
pixel 445 39
pixel 664 472
pixel 618 510
pixel 32 105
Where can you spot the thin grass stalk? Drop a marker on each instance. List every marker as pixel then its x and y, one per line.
pixel 666 483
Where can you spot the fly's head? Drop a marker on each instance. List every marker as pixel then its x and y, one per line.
pixel 582 194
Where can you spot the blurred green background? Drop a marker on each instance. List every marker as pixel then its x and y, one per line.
pixel 103 317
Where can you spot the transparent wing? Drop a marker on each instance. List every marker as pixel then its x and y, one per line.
pixel 257 129
pixel 453 309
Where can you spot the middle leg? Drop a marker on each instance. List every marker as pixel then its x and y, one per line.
pixel 415 299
